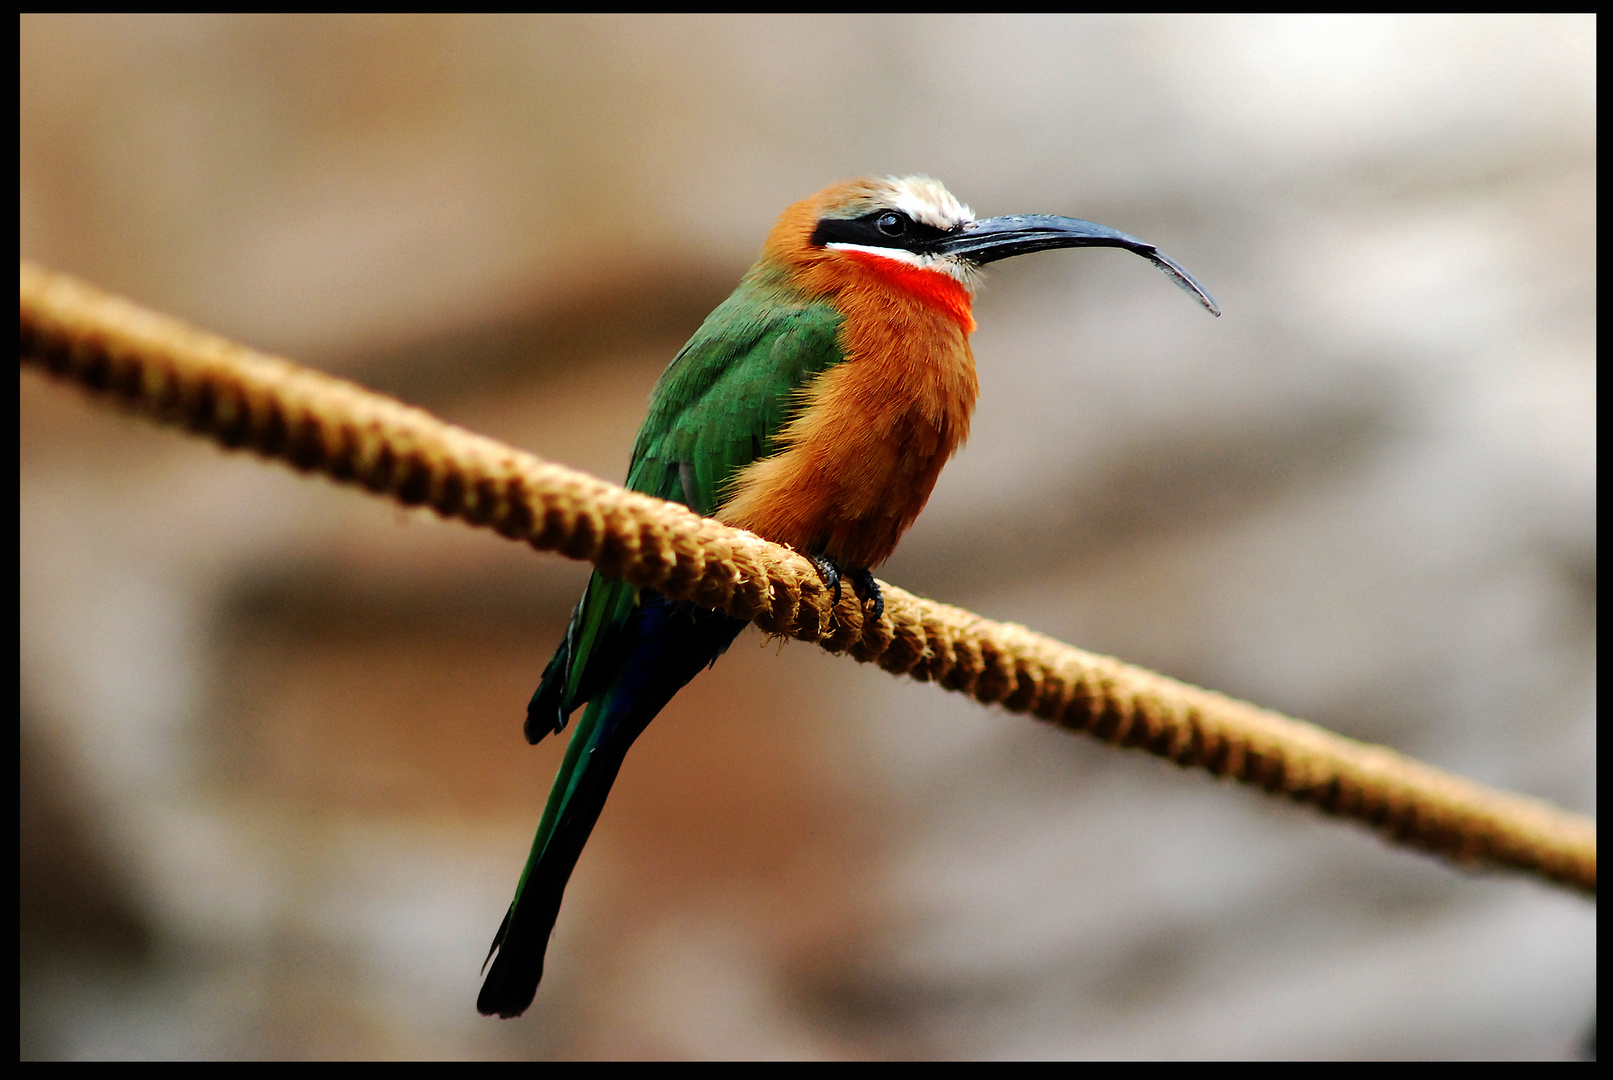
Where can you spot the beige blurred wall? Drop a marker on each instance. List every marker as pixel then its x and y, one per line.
pixel 274 794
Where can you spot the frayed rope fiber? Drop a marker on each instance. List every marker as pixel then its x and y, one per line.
pixel 160 367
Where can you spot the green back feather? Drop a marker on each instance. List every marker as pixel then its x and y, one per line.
pixel 718 407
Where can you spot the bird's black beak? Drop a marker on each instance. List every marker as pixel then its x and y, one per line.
pixel 1019 234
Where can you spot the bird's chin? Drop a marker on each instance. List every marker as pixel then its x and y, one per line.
pixel 927 283
pixel 959 269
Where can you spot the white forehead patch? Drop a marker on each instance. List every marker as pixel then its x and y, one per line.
pixel 926 201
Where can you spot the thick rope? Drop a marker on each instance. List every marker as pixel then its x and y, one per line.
pixel 169 371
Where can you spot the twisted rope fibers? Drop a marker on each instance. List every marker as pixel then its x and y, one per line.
pixel 173 373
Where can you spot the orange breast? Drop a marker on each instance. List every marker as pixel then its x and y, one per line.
pixel 862 454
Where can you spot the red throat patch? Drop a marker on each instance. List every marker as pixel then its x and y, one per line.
pixel 940 290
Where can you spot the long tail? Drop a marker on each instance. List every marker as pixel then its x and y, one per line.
pixel 665 646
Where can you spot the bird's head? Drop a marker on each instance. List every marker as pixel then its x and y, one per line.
pixel 911 225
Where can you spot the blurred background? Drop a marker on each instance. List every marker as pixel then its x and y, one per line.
pixel 274 795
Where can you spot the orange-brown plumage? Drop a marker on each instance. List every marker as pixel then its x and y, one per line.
pixel 863 450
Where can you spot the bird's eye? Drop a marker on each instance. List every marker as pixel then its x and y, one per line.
pixel 892 224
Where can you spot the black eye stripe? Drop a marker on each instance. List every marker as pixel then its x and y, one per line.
pixel 866 231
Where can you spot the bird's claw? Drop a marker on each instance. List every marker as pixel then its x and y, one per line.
pixel 829 571
pixel 866 588
pixel 862 583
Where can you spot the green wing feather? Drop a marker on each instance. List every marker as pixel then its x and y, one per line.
pixel 718 407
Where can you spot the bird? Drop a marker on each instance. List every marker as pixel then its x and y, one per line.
pixel 815 408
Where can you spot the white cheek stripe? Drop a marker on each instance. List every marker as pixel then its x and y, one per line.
pixel 952 267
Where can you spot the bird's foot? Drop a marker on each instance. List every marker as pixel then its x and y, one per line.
pixel 829 571
pixel 862 583
pixel 866 588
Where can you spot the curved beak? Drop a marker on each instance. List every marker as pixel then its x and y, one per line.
pixel 1019 234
